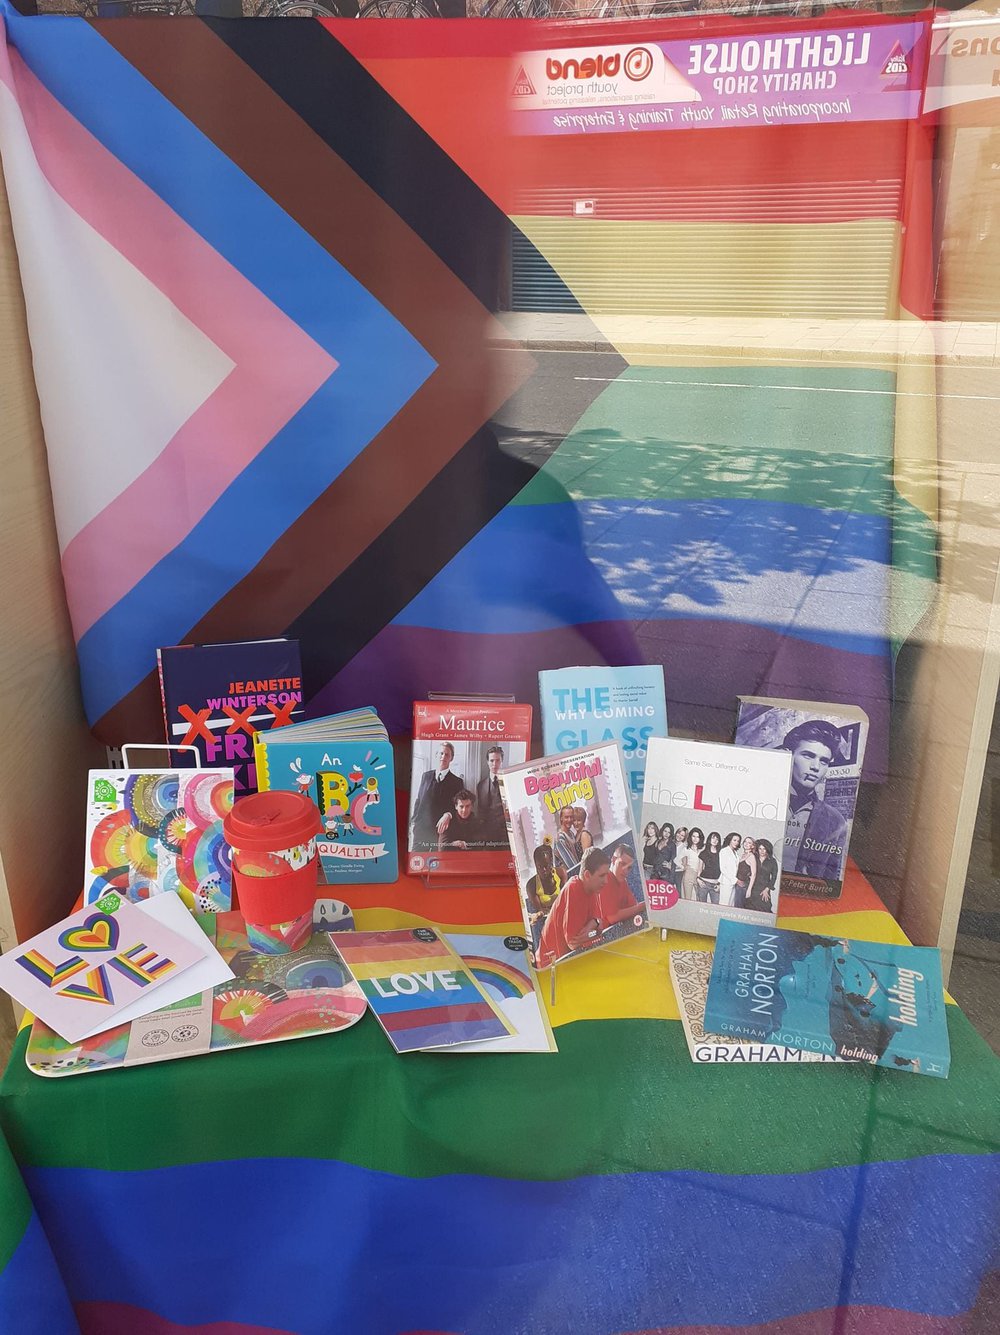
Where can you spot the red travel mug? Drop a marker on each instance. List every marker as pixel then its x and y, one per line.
pixel 273 838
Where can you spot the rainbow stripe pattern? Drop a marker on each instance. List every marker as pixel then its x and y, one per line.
pixel 419 989
pixel 96 987
pixel 499 978
pixel 141 965
pixel 48 973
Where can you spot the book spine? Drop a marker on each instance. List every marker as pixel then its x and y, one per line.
pixel 508 821
pixel 260 762
pixel 163 696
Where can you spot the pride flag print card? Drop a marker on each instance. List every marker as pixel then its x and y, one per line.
pixel 77 975
pixel 423 994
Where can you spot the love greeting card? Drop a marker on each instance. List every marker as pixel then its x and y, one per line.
pixel 423 994
pixel 89 967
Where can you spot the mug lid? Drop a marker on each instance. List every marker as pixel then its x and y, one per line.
pixel 271 821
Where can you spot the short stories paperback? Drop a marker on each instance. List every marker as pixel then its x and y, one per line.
pixel 827 747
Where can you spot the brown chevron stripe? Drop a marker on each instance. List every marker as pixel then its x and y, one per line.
pixel 237 110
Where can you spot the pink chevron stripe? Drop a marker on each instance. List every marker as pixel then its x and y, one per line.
pixel 277 368
pixel 106 1318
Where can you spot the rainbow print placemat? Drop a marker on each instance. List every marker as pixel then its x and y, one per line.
pixel 420 990
pixel 270 999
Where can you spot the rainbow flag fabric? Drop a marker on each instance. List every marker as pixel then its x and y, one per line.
pixel 318 248
pixel 615 1186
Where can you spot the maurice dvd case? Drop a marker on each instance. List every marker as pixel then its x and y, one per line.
pixel 456 822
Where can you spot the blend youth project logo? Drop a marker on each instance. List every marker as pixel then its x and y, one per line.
pixel 597 77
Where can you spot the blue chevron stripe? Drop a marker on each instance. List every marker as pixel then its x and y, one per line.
pixel 215 197
pixel 381 364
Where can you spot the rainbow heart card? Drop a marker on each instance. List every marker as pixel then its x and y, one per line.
pixel 80 974
pixel 423 994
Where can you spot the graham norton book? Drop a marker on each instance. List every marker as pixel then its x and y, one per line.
pixel 713 821
pixel 690 971
pixel 827 747
pixel 457 824
pixel 859 1000
pixel 218 697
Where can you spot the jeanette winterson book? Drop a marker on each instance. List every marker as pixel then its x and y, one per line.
pixel 456 825
pixel 859 1000
pixel 344 762
pixel 585 705
pixel 218 697
pixel 690 971
pixel 569 821
pixel 713 818
pixel 827 746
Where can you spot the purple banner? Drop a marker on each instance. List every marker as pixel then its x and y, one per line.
pixel 793 77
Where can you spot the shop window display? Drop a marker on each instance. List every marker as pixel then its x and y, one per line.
pixel 623 375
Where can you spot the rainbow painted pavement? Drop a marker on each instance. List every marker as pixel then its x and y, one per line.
pixel 329 1185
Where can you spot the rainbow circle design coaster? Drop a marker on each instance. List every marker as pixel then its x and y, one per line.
pixel 107 843
pixel 210 896
pixel 117 844
pixel 149 798
pixel 207 798
pixel 140 854
pixel 211 855
pixel 172 829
